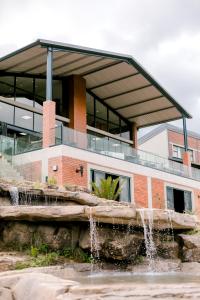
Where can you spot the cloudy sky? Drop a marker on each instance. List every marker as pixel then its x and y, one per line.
pixel 163 35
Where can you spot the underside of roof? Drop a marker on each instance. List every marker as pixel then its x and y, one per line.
pixel 117 80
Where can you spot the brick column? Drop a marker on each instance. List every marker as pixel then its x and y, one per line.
pixel 49 122
pixel 77 103
pixel 134 135
pixel 186 159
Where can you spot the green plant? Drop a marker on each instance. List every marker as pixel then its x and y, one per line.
pixel 109 188
pixel 37 185
pixel 51 181
pixel 34 251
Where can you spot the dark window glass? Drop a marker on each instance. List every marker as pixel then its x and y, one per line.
pixel 23 118
pixel 24 90
pixel 114 123
pixel 90 110
pixel 40 92
pixel 125 131
pixel 7 86
pixel 57 95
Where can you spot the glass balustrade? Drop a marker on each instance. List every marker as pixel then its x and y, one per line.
pixel 115 148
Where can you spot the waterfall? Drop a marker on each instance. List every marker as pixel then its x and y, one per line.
pixel 14 194
pixel 170 214
pixel 94 241
pixel 147 222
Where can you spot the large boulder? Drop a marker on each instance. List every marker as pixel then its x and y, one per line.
pixel 113 244
pixel 191 247
pixel 166 247
pixel 18 234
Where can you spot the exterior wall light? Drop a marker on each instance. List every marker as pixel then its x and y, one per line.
pixel 80 170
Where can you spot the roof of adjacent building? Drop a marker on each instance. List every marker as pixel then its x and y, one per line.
pixel 163 127
pixel 117 80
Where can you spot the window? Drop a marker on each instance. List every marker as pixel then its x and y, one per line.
pixel 178 152
pixel 6 113
pixel 7 86
pixel 179 200
pixel 23 118
pixel 124 181
pixel 102 117
pixel 24 90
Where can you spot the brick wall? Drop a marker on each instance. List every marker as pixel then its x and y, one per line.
pixel 158 195
pixel 66 173
pixel 178 139
pixel 140 191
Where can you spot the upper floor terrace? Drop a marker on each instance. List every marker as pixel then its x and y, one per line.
pixel 103 98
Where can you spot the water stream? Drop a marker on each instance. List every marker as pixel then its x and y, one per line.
pixel 14 194
pixel 147 222
pixel 94 241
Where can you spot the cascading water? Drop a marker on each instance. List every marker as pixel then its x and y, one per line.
pixel 147 222
pixel 94 241
pixel 170 214
pixel 14 194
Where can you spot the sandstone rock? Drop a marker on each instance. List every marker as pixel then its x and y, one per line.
pixel 58 237
pixel 5 294
pixel 166 247
pixel 161 265
pixel 43 213
pixel 191 267
pixel 163 219
pixel 112 244
pixel 17 234
pixel 191 247
pixel 112 214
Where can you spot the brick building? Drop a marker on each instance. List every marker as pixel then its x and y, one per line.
pixel 168 141
pixel 73 113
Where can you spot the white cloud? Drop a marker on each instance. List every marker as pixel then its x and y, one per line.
pixel 164 35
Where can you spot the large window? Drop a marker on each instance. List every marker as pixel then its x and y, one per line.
pixel 101 117
pixel 124 182
pixel 177 152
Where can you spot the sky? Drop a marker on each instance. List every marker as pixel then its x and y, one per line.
pixel 162 35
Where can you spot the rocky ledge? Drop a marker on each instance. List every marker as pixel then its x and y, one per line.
pixel 121 214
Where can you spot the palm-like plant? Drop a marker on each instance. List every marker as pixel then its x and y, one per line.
pixel 109 188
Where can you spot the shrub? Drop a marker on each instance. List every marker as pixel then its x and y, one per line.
pixel 109 188
pixel 51 181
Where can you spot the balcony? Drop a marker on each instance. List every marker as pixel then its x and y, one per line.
pixel 117 149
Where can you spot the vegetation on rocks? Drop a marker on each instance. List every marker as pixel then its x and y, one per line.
pixel 109 188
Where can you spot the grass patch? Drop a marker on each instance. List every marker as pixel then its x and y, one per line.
pixel 43 256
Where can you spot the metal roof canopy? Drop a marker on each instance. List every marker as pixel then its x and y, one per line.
pixel 116 79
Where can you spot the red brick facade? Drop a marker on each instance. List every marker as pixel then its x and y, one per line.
pixel 158 196
pixel 49 122
pixel 178 139
pixel 66 173
pixel 140 191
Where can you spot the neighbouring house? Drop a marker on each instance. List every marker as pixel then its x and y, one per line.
pixel 72 113
pixel 167 141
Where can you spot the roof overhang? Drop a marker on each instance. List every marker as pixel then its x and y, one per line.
pixel 116 79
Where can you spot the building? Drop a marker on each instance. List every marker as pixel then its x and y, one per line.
pixel 168 141
pixel 72 113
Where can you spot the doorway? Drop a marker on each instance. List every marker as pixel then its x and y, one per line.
pixel 179 200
